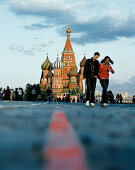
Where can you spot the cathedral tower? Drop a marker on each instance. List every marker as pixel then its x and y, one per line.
pixel 57 80
pixel 46 67
pixel 68 60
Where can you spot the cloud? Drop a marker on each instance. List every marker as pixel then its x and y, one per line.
pixel 121 87
pixel 52 10
pixel 30 51
pixel 37 26
pixel 109 23
pixel 21 49
pixel 36 38
pixel 103 30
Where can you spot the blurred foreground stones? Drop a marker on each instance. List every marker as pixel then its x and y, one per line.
pixel 107 135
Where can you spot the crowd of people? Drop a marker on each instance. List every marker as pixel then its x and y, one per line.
pixel 10 94
pixel 18 95
pixel 119 98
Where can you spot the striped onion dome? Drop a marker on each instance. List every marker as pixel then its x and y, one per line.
pixel 57 64
pixel 47 65
pixel 50 74
pixel 82 63
pixel 73 72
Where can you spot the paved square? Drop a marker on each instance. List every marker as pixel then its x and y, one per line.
pixel 106 135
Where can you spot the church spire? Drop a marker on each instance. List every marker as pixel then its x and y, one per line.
pixel 68 46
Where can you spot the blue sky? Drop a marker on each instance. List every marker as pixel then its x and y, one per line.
pixel 31 28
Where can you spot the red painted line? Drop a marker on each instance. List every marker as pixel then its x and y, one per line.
pixel 63 151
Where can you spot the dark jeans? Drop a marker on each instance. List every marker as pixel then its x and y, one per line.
pixel 91 85
pixel 104 83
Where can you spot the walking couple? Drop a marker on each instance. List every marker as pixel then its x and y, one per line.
pixel 94 70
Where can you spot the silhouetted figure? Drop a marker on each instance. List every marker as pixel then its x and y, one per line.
pixel 0 93
pixel 121 98
pixel 16 94
pixel 73 100
pixel 110 97
pixel 78 99
pixel 20 94
pixel 117 98
pixel 67 98
pixel 81 98
pixel 4 94
pixel 43 97
pixel 133 99
pixel 49 94
pixel 33 93
pixel 8 93
pixel 63 99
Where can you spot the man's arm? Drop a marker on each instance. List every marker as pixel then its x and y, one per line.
pixel 96 69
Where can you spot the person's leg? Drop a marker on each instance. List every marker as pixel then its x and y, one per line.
pixel 47 98
pixel 107 83
pixel 104 91
pixel 92 89
pixel 88 89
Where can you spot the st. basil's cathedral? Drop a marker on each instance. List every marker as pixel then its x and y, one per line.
pixel 62 76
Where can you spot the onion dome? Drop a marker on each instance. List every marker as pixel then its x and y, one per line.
pixel 57 64
pixel 68 30
pixel 49 75
pixel 73 72
pixel 82 63
pixel 47 65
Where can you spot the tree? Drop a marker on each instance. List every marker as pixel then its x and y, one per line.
pixel 29 87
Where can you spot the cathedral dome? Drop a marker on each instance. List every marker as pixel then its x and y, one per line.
pixel 57 64
pixel 73 72
pixel 47 65
pixel 68 30
pixel 82 63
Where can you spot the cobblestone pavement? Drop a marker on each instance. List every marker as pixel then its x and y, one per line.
pixel 107 135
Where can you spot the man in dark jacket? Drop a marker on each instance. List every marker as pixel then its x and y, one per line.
pixel 91 70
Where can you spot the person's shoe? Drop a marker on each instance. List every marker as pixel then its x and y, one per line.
pixel 87 103
pixel 92 104
pixel 104 104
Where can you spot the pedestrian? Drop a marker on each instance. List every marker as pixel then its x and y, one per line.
pixel 8 93
pixel 33 93
pixel 133 99
pixel 121 98
pixel 0 93
pixel 117 98
pixel 20 94
pixel 11 95
pixel 104 70
pixel 49 94
pixel 4 94
pixel 16 94
pixel 91 70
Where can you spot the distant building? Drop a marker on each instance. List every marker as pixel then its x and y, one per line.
pixel 126 97
pixel 65 77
